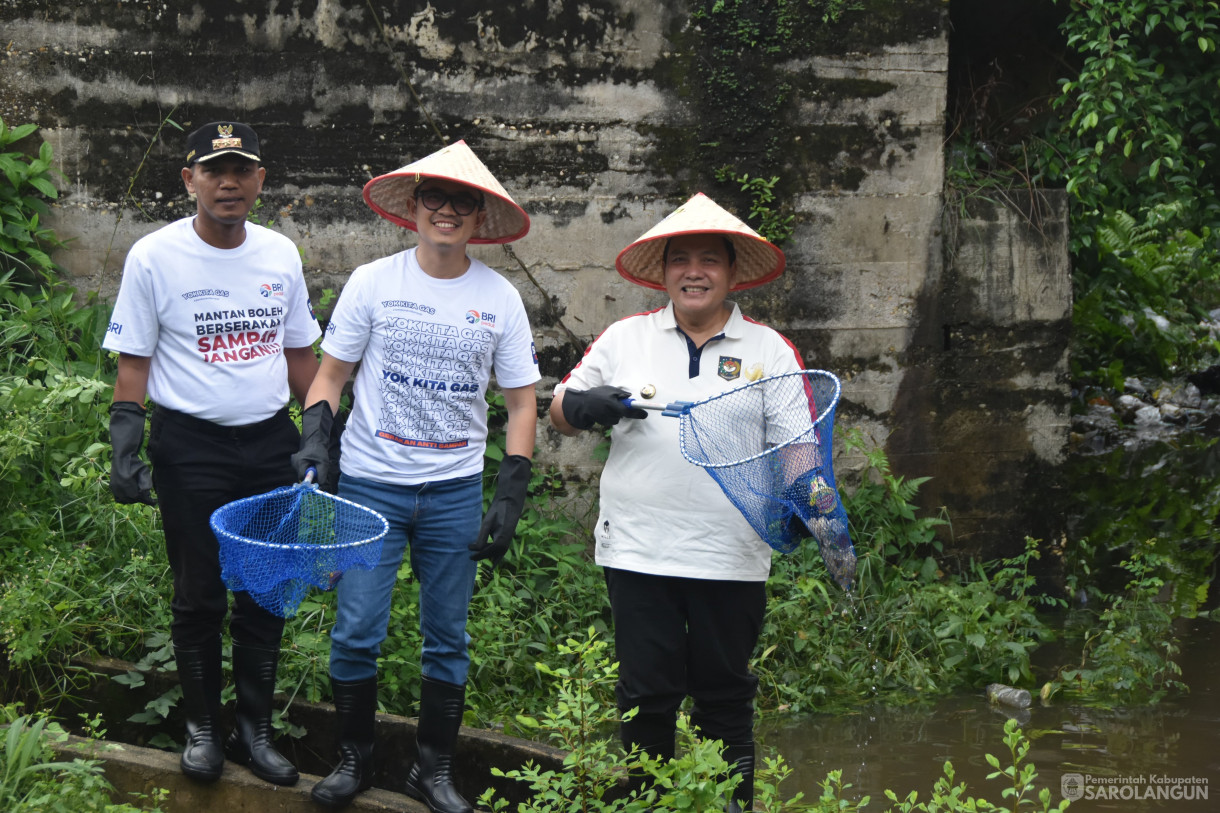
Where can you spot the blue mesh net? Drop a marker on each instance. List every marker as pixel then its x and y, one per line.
pixel 768 445
pixel 276 545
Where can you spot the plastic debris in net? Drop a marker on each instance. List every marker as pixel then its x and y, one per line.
pixel 275 546
pixel 768 444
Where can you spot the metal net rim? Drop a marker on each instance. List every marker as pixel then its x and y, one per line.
pixel 771 450
pixel 301 546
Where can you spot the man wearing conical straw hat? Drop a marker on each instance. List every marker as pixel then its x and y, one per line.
pixel 427 326
pixel 685 571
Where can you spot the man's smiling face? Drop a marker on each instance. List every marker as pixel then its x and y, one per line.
pixel 445 226
pixel 698 274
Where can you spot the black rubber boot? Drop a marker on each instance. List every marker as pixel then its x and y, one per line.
pixel 199 675
pixel 440 716
pixel 741 763
pixel 653 734
pixel 356 710
pixel 251 743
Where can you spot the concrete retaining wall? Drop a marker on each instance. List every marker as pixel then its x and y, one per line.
pixel 600 117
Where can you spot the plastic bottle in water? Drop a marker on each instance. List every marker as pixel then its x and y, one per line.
pixel 1008 696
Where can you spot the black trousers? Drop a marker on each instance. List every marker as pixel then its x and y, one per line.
pixel 197 467
pixel 677 637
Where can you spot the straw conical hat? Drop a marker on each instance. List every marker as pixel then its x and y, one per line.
pixel 758 260
pixel 388 194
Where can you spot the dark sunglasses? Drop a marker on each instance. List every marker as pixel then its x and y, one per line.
pixel 435 199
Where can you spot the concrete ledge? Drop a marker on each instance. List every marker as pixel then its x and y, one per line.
pixel 132 769
pixel 138 768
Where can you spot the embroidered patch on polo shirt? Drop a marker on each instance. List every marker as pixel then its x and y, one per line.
pixel 729 368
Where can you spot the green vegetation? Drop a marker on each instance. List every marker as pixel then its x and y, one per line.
pixel 34 780
pixel 1131 133
pixel 595 773
pixel 910 628
pixel 1136 152
pixel 1021 793
pixel 1128 650
pixel 1141 123
pixel 25 244
pixel 83 576
pixel 1143 307
pixel 770 223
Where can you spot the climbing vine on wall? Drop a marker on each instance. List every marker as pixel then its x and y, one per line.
pixel 743 99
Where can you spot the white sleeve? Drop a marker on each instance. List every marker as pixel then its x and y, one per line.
pixel 300 326
pixel 134 323
pixel 516 360
pixel 347 334
pixel 595 368
pixel 795 410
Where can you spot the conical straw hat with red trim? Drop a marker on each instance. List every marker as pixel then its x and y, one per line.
pixel 758 260
pixel 388 194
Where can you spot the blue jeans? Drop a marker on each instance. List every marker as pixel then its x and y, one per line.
pixel 438 520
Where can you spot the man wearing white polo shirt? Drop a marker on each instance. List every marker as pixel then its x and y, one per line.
pixel 685 571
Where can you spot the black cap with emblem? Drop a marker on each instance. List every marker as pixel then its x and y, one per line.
pixel 222 138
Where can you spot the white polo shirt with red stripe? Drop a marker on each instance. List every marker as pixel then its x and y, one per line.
pixel 660 514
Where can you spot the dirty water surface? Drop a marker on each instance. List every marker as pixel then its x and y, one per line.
pixel 1120 757
pixel 1162 756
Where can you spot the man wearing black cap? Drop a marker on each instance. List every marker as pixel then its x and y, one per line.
pixel 213 322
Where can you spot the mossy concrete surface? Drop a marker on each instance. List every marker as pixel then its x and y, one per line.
pixel 314 753
pixel 599 117
pixel 133 769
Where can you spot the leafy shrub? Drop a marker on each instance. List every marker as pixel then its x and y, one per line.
pixel 1141 120
pixel 25 242
pixel 1142 309
pixel 1135 151
pixel 907 625
pixel 1020 793
pixel 595 773
pixel 1128 649
pixel 33 780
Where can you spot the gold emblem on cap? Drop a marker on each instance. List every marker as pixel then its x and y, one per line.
pixel 225 130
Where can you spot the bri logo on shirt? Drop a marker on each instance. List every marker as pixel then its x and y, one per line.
pixel 475 317
pixel 269 290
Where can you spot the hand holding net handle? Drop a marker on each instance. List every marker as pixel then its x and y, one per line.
pixel 674 409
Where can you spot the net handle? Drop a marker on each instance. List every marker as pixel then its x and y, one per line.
pixel 674 409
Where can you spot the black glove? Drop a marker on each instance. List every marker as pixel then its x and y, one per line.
pixel 796 528
pixel 500 522
pixel 584 408
pixel 316 425
pixel 130 477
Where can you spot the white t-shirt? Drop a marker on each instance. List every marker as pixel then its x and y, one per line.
pixel 214 321
pixel 426 349
pixel 660 514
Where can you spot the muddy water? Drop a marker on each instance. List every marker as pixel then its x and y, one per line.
pixel 1160 757
pixel 1176 742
